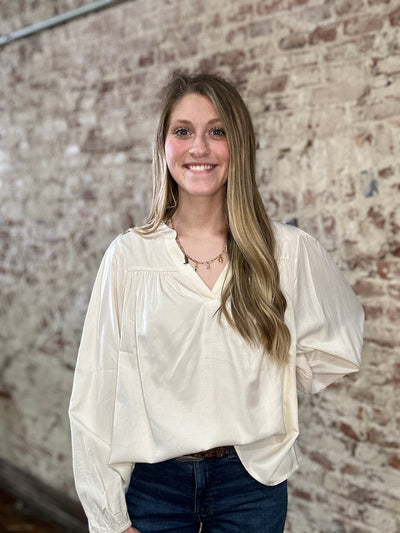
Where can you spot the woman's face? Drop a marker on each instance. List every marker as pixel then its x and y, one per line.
pixel 196 148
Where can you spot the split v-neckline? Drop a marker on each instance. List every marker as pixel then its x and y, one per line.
pixel 188 271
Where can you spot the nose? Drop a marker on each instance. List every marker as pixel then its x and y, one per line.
pixel 199 146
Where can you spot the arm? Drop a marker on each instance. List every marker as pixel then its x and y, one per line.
pixel 329 319
pixel 101 488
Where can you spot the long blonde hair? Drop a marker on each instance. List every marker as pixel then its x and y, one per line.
pixel 252 301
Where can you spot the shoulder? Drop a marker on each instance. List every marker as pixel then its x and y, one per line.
pixel 135 238
pixel 135 247
pixel 291 240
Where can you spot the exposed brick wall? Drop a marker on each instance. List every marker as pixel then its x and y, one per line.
pixel 78 111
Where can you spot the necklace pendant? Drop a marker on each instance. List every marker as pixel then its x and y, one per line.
pixel 187 257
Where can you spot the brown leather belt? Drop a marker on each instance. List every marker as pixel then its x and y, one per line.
pixel 220 451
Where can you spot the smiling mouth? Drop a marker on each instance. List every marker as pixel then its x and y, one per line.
pixel 200 168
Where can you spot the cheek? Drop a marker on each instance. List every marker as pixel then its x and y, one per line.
pixel 224 153
pixel 167 151
pixel 172 151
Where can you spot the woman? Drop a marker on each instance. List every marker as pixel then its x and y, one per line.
pixel 200 327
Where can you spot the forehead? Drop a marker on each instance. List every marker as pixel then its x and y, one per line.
pixel 194 106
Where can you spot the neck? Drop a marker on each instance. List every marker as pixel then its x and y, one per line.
pixel 201 217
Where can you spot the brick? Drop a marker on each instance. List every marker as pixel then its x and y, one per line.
pixel 323 34
pixel 241 14
pixel 298 493
pixel 368 288
pixel 329 225
pixel 351 49
pixel 315 14
pixel 350 470
pixel 394 248
pixel 322 459
pixel 380 416
pixel 387 65
pixel 377 110
pixel 394 291
pixel 373 311
pixel 266 7
pixel 292 41
pixel 394 17
pixel 394 218
pixel 386 172
pixel 362 495
pixel 272 85
pixel 396 374
pixel 289 202
pixel 365 24
pixel 230 59
pixel 242 74
pixel 377 436
pixel 166 56
pixel 343 7
pixel 260 28
pixel 336 94
pixel 375 214
pixel 377 519
pixel 388 269
pixel 309 198
pixel 393 314
pixel 347 430
pixel 381 336
pixel 237 35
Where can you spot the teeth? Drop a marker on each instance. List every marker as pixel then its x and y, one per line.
pixel 200 168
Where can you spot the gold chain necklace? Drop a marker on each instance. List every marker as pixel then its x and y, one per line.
pixel 196 262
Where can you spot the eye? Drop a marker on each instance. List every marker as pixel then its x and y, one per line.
pixel 217 132
pixel 181 132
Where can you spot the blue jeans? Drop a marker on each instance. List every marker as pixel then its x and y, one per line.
pixel 177 496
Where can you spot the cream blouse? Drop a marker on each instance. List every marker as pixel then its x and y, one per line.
pixel 159 376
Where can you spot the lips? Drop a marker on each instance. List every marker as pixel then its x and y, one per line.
pixel 199 168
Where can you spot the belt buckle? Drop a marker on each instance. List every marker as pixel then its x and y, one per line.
pixel 218 452
pixel 187 458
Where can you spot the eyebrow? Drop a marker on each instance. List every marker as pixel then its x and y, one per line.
pixel 187 122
